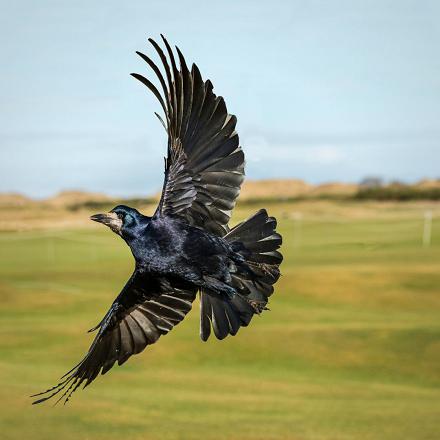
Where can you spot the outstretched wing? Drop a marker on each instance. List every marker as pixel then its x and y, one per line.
pixel 205 165
pixel 146 309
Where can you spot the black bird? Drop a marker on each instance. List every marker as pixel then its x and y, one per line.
pixel 186 246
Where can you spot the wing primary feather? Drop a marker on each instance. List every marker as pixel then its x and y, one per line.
pixel 159 76
pixel 199 95
pixel 188 95
pixel 74 389
pixel 66 391
pixel 178 89
pixel 204 111
pixel 171 91
pixel 152 87
pixel 50 389
pixel 163 125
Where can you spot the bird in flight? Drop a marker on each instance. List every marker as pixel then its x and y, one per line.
pixel 186 247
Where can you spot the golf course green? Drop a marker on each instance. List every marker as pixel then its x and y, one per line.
pixel 350 348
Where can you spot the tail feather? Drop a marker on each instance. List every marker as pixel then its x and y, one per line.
pixel 225 315
pixel 256 241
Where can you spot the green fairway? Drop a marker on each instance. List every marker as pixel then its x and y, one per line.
pixel 349 350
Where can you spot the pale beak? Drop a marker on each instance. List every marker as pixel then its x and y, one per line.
pixel 110 219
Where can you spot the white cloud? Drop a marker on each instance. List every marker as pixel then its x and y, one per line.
pixel 326 154
pixel 259 149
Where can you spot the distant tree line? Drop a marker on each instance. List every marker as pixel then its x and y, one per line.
pixel 370 188
pixel 373 188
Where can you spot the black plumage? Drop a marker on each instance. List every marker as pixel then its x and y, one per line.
pixel 186 246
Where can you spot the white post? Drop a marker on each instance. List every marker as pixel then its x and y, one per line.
pixel 427 227
pixel 93 252
pixel 50 250
pixel 297 217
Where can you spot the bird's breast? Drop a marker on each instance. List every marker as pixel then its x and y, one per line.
pixel 159 247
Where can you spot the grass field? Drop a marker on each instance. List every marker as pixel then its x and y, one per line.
pixel 349 350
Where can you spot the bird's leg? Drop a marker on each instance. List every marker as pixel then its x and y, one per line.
pixel 208 282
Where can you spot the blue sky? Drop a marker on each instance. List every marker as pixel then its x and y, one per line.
pixel 323 90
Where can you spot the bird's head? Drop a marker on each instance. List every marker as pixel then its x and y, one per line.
pixel 120 219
